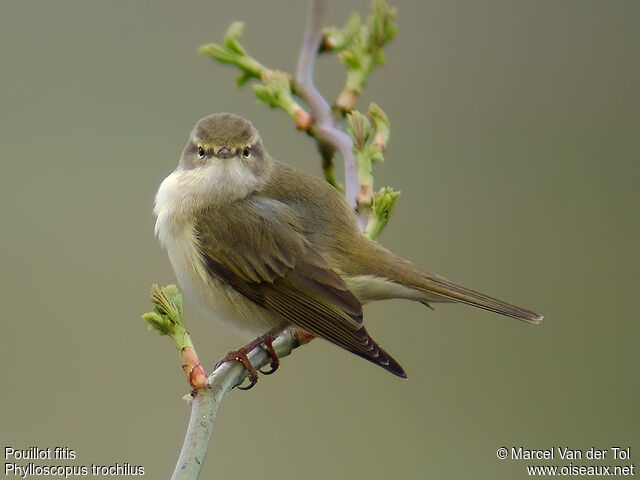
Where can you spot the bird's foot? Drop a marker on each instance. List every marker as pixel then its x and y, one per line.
pixel 267 344
pixel 241 355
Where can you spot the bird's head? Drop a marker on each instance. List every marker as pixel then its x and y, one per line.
pixel 227 151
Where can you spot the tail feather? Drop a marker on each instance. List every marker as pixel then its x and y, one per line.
pixel 440 287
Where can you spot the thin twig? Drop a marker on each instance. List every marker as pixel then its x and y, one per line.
pixel 207 401
pixel 306 61
pixel 328 127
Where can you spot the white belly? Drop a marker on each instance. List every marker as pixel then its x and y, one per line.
pixel 216 298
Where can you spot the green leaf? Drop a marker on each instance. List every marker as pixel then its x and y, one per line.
pixel 217 53
pixel 276 92
pixel 384 201
pixel 233 36
pixel 351 59
pixel 340 39
pixel 381 126
pixel 157 323
pixel 359 128
pixel 243 78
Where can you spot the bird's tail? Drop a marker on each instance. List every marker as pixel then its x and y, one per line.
pixel 441 289
pixel 434 288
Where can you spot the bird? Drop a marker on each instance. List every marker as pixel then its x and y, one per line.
pixel 263 247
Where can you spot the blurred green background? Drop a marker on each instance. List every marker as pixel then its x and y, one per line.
pixel 515 144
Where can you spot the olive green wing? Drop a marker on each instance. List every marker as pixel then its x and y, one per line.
pixel 258 248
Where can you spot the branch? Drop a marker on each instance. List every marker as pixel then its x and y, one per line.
pixel 207 392
pixel 361 46
pixel 328 128
pixel 304 73
pixel 205 404
pixel 166 319
pixel 370 135
pixel 276 88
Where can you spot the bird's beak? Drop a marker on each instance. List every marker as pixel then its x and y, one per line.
pixel 224 152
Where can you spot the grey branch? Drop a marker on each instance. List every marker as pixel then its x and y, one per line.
pixel 304 72
pixel 207 401
pixel 328 127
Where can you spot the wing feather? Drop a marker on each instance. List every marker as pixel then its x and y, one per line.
pixel 260 252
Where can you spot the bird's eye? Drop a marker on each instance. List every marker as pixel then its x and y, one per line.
pixel 246 152
pixel 200 151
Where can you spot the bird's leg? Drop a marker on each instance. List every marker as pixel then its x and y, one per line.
pixel 241 355
pixel 301 337
pixel 267 343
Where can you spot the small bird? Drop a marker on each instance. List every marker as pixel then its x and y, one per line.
pixel 263 247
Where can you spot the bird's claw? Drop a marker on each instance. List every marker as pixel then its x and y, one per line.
pixel 275 361
pixel 253 379
pixel 241 356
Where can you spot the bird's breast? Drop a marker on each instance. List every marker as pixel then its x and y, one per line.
pixel 175 227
